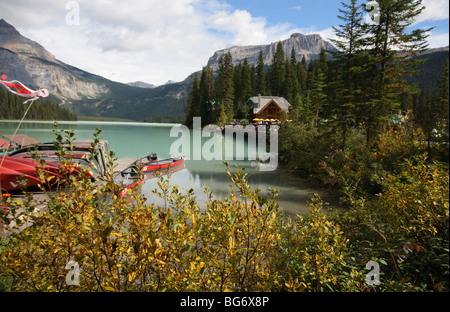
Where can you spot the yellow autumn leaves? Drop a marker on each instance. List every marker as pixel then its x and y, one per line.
pixel 241 243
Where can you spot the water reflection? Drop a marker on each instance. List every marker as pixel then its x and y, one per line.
pixel 293 192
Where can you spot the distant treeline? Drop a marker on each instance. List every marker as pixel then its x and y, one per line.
pixel 314 88
pixel 179 118
pixel 12 107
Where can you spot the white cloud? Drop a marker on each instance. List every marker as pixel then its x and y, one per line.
pixel 435 10
pixel 243 28
pixel 438 40
pixel 152 41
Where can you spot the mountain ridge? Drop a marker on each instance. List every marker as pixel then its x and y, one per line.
pixel 308 45
pixel 34 65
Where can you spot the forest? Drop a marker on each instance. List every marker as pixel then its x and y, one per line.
pixel 377 71
pixel 12 107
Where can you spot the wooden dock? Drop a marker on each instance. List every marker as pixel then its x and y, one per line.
pixel 123 163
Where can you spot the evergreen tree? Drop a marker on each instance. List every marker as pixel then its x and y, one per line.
pixel 12 107
pixel 246 81
pixel 293 57
pixel 295 84
pixel 310 75
pixel 288 86
pixel 238 88
pixel 207 96
pixel 323 60
pixel 260 75
pixel 225 88
pixel 193 107
pixel 438 123
pixel 349 68
pixel 385 39
pixel 317 97
pixel 441 98
pixel 303 61
pixel 302 75
pixel 253 79
pixel 276 73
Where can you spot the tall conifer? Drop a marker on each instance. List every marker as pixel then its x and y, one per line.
pixel 392 45
pixel 260 75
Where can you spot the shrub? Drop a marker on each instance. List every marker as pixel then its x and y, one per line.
pixel 405 228
pixel 315 252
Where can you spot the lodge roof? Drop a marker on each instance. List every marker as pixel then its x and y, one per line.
pixel 259 102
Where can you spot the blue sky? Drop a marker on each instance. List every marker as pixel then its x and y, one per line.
pixel 321 15
pixel 159 40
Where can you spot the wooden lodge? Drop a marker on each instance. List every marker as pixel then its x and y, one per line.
pixel 268 107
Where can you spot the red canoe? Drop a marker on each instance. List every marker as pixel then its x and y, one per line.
pixel 51 166
pixel 147 164
pixel 12 167
pixel 8 178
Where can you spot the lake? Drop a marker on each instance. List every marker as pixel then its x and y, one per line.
pixel 132 140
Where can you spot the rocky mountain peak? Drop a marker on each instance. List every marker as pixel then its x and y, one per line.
pixel 7 29
pixel 308 45
pixel 27 61
pixel 12 40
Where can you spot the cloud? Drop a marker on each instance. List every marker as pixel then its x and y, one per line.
pixel 435 10
pixel 240 26
pixel 438 40
pixel 129 40
pixel 152 41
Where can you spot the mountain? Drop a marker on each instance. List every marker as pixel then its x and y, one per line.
pixel 430 71
pixel 27 61
pixel 141 84
pixel 308 45
pixel 82 92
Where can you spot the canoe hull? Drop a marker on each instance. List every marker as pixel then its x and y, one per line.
pixel 149 166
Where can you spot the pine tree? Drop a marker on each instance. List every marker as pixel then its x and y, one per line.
pixel 317 97
pixel 439 113
pixel 260 75
pixel 193 107
pixel 323 60
pixel 294 76
pixel 238 88
pixel 225 87
pixel 310 75
pixel 253 79
pixel 441 98
pixel 302 75
pixel 288 86
pixel 349 68
pixel 385 40
pixel 247 92
pixel 276 73
pixel 207 96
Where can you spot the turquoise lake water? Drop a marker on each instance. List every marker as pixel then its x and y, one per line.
pixel 132 140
